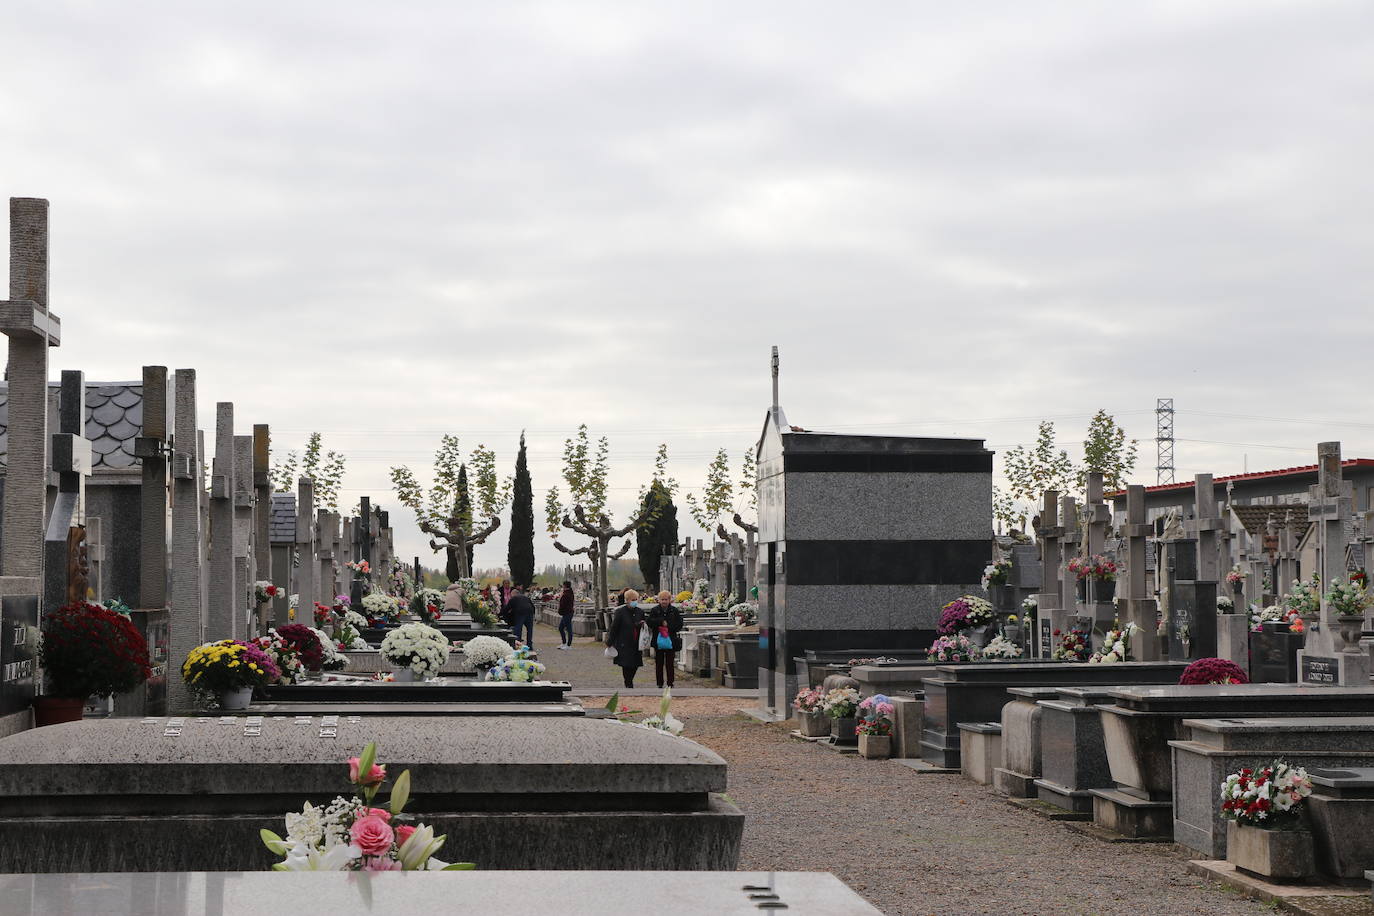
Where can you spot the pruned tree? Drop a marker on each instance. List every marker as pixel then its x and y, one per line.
pixel 455 531
pixel 585 473
pixel 325 469
pixel 717 495
pixel 1030 472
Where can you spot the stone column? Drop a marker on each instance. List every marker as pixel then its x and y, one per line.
pixel 188 608
pixel 151 449
pixel 1068 519
pixel 305 551
pixel 1048 601
pixel 245 561
pixel 1141 609
pixel 224 592
pixel 262 517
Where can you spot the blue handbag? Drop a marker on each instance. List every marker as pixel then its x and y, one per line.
pixel 664 641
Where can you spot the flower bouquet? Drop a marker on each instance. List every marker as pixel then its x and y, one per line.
pixel 380 609
pixel 1305 597
pixel 951 650
pixel 1001 647
pixel 264 591
pixel 350 834
pixel 745 614
pixel 663 721
pixel 284 654
pixel 305 641
pixel 427 604
pixel 516 667
pixel 87 650
pixel 1030 607
pixel 1265 835
pixel 841 703
pixel 1116 645
pixel 334 660
pixel 361 569
pixel 1236 576
pixel 324 614
pixel 810 714
pixel 229 669
pixel 1349 599
pixel 1094 567
pixel 1225 605
pixel 484 652
pixel 1073 646
pixel 964 613
pixel 995 573
pixel 416 650
pixel 875 727
pixel 1213 671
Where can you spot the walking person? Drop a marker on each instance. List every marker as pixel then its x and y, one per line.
pixel 519 610
pixel 565 612
pixel 665 629
pixel 623 636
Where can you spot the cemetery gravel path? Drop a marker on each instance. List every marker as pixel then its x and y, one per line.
pixel 924 844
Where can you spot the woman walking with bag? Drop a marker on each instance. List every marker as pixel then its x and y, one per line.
pixel 623 636
pixel 665 625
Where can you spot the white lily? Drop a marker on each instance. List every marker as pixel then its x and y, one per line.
pixel 421 845
pixel 302 857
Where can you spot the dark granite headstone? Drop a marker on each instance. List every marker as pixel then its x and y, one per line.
pixel 18 652
pixel 1274 655
pixel 1193 621
pixel 1183 554
pixel 1046 639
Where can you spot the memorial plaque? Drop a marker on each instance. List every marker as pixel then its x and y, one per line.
pixel 18 652
pixel 1192 621
pixel 1046 639
pixel 1183 554
pixel 1320 670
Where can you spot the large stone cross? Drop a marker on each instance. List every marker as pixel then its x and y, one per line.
pixel 1329 505
pixel 66 571
pixel 31 329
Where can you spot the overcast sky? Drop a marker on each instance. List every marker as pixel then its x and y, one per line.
pixel 391 221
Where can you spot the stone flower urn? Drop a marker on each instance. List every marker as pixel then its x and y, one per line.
pixel 843 730
pixel 1270 853
pixel 1350 627
pixel 875 747
pixel 813 724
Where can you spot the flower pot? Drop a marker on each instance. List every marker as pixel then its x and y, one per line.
pixel 1350 627
pixel 56 710
pixel 402 674
pixel 875 747
pixel 1082 589
pixel 236 699
pixel 980 636
pixel 813 724
pixel 842 730
pixel 1238 587
pixel 1101 591
pixel 1270 853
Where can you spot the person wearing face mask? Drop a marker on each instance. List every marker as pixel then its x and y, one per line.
pixel 665 627
pixel 623 636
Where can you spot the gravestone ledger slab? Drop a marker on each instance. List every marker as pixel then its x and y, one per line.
pixel 191 794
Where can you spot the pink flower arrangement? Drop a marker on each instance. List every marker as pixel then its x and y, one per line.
pixel 1094 567
pixel 808 699
pixel 875 716
pixel 963 613
pixel 354 835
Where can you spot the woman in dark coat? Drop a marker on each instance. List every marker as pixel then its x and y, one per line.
pixel 623 636
pixel 665 619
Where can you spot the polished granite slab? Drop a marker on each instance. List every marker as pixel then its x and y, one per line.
pixel 569 893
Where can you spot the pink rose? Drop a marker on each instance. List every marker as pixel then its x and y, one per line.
pixel 403 833
pixel 378 812
pixel 374 776
pixel 382 864
pixel 372 835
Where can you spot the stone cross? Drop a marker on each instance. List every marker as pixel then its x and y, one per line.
pixel 262 517
pixel 1206 524
pixel 66 567
pixel 1329 506
pixel 1140 606
pixel 1068 519
pixel 1099 522
pixel 307 567
pixel 225 592
pixel 326 549
pixel 31 329
pixel 152 448
pixel 245 561
pixel 188 557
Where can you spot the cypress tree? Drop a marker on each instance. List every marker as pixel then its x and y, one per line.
pixel 520 550
pixel 658 533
